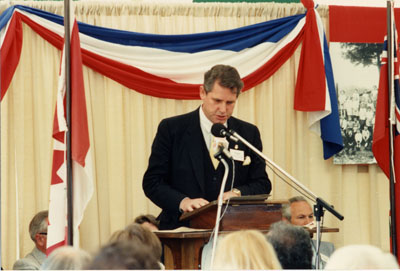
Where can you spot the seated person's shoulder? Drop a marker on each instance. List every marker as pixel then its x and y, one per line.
pixel 24 264
pixel 327 248
pixel 330 245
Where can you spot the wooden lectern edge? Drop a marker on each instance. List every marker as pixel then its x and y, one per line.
pixel 194 213
pixel 235 200
pixel 187 215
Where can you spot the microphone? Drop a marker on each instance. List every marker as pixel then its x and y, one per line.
pixel 223 150
pixel 219 130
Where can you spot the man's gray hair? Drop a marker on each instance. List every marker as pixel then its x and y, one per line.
pixel 124 255
pixel 38 224
pixel 292 245
pixel 286 212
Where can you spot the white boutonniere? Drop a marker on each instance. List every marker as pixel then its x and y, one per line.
pixel 247 161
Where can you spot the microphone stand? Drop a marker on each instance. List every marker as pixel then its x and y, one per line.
pixel 320 203
pixel 220 156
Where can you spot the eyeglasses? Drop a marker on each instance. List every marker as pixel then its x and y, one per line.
pixel 43 233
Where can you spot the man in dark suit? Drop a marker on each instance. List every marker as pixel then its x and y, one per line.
pixel 181 176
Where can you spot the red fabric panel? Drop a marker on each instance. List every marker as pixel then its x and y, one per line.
pixel 58 160
pixel 397 192
pixel 380 141
pixel 308 4
pixel 79 125
pixel 358 24
pixel 12 46
pixel 56 129
pixel 310 91
pixel 10 53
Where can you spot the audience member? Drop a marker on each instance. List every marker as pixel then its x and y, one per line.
pixel 117 235
pixel 292 245
pixel 148 221
pixel 299 212
pixel 66 258
pixel 361 257
pixel 246 249
pixel 124 255
pixel 136 233
pixel 38 234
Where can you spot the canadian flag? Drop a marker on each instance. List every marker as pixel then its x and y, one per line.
pixel 82 179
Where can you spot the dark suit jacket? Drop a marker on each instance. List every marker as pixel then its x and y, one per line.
pixel 176 165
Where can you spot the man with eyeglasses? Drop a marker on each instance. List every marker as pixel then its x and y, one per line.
pixel 38 233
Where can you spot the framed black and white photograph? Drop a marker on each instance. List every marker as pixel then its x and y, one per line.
pixel 356 72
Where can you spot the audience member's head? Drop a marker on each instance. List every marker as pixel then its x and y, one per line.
pixel 246 249
pixel 138 234
pixel 292 245
pixel 118 235
pixel 66 258
pixel 298 211
pixel 124 255
pixel 361 257
pixel 38 230
pixel 148 221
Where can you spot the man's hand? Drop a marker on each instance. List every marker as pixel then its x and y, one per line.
pixel 188 204
pixel 229 194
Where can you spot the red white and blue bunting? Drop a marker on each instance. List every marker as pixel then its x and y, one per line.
pixel 162 65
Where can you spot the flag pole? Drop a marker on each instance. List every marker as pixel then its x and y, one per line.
pixel 391 101
pixel 67 37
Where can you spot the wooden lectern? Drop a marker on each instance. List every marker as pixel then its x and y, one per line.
pixel 247 212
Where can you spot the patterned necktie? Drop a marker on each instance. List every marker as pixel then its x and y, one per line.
pixel 213 150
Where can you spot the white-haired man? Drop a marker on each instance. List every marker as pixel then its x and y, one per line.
pixel 299 212
pixel 38 233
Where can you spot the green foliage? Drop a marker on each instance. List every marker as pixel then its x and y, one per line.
pixel 365 54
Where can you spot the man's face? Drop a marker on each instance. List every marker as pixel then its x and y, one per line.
pixel 302 214
pixel 41 241
pixel 218 104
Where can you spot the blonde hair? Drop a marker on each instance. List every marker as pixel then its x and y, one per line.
pixel 361 257
pixel 246 249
